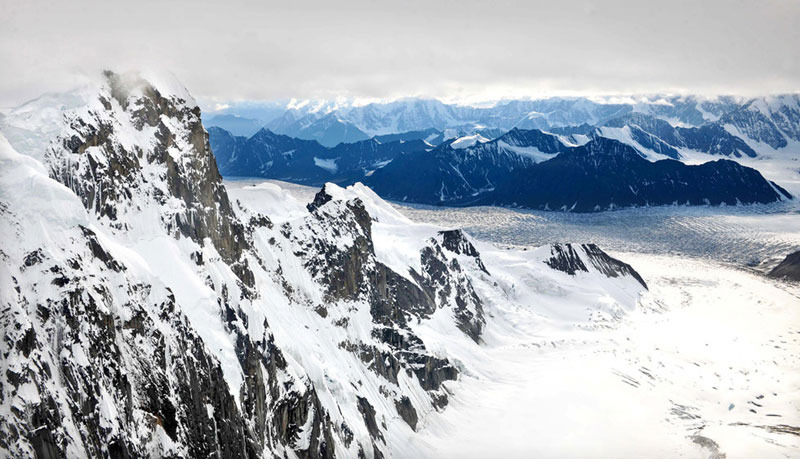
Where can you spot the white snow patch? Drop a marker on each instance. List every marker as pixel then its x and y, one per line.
pixel 327 164
pixel 468 141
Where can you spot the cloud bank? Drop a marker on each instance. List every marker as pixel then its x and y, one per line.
pixel 454 50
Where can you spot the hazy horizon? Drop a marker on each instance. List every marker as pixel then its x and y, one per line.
pixel 453 51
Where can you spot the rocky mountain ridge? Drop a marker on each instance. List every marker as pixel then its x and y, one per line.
pixel 147 313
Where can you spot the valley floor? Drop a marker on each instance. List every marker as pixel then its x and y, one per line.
pixel 709 365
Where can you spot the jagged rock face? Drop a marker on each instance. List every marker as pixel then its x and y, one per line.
pixel 394 299
pixel 443 276
pixel 340 254
pixel 570 259
pixel 98 160
pixel 102 362
pixel 456 241
pixel 108 373
pixel 789 268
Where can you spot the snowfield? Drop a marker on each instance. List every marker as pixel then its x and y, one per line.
pixel 706 364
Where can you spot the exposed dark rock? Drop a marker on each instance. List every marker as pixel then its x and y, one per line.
pixel 406 410
pixel 105 186
pixel 660 136
pixel 602 174
pixel 456 241
pixel 33 258
pixel 275 156
pixel 99 252
pixel 564 258
pixel 569 259
pixel 352 272
pixel 321 198
pixel 447 284
pixel 368 412
pixel 788 269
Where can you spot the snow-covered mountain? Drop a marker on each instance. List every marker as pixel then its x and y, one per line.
pixel 150 311
pixel 655 137
pixel 552 168
pixel 774 121
pixel 771 122
pixel 329 130
pixel 235 124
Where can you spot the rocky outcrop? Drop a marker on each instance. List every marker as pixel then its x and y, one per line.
pixel 456 241
pixel 570 259
pixel 336 243
pixel 788 269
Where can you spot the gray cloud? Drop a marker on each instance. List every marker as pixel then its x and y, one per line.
pixel 450 49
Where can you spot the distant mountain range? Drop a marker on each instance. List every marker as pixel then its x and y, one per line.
pixel 772 121
pixel 235 124
pixel 533 169
pixel 524 167
pixel 278 156
pixel 571 154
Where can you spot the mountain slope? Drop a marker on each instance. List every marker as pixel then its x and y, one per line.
pixel 149 314
pixel 605 174
pixel 725 125
pixel 773 121
pixel 645 133
pixel 598 175
pixel 281 157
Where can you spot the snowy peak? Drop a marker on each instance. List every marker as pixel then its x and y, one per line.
pixel 467 141
pixel 773 121
pixel 764 120
pixel 133 138
pixel 329 130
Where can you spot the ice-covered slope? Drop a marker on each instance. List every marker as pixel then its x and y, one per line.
pixel 146 313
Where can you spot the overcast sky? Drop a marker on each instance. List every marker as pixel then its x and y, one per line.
pixel 455 50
